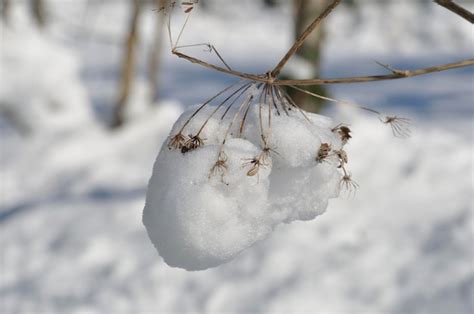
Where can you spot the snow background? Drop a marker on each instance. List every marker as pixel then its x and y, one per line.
pixel 72 194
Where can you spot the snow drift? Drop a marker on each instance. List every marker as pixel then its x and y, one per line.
pixel 41 90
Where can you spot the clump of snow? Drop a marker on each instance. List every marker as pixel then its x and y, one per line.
pixel 206 205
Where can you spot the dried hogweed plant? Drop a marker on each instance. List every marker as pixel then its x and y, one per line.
pixel 266 92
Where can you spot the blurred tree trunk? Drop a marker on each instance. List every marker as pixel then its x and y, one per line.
pixel 39 12
pixel 270 3
pixel 305 12
pixel 155 53
pixel 128 65
pixel 6 4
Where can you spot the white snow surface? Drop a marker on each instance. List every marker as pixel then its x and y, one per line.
pixel 51 96
pixel 71 232
pixel 77 244
pixel 198 219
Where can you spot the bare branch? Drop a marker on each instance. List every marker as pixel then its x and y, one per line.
pixel 396 74
pixel 269 77
pixel 248 76
pixel 220 57
pixel 457 9
pixel 209 48
pixel 276 71
pixel 335 100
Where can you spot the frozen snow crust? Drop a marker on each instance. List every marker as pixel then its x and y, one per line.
pixel 198 218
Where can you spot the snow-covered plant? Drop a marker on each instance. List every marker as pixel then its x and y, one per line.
pixel 232 171
pixel 247 160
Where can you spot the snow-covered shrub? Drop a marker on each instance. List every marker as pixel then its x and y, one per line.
pixel 228 176
pixel 40 86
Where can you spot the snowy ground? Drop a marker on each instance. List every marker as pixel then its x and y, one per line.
pixel 72 194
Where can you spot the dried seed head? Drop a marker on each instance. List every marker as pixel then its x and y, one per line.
pixel 260 161
pixel 255 166
pixel 323 152
pixel 167 8
pixel 344 132
pixel 266 154
pixel 342 156
pixel 192 143
pixel 347 184
pixel 400 126
pixel 220 167
pixel 177 141
pixel 188 6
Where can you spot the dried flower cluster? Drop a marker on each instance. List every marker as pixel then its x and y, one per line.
pixel 235 103
pixel 269 96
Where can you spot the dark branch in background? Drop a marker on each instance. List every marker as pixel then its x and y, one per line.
pixel 155 54
pixel 310 52
pixel 128 66
pixel 39 12
pixel 457 9
pixel 6 4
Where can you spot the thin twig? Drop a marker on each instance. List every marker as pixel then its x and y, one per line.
pixel 361 79
pixel 248 76
pixel 299 42
pixel 211 48
pixel 292 103
pixel 233 101
pixel 182 30
pixel 244 103
pixel 334 100
pixel 242 122
pixel 222 104
pixel 457 9
pixel 206 103
pixel 220 57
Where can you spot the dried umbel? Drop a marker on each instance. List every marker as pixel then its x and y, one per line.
pixel 177 141
pixel 254 163
pixel 347 185
pixel 342 157
pixel 220 167
pixel 323 152
pixel 193 142
pixel 344 132
pixel 255 111
pixel 400 126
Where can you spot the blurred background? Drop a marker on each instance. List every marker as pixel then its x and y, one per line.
pixel 89 91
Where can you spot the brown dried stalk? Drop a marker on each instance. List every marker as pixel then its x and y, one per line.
pixel 457 9
pixel 299 42
pixel 271 77
pixel 396 74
